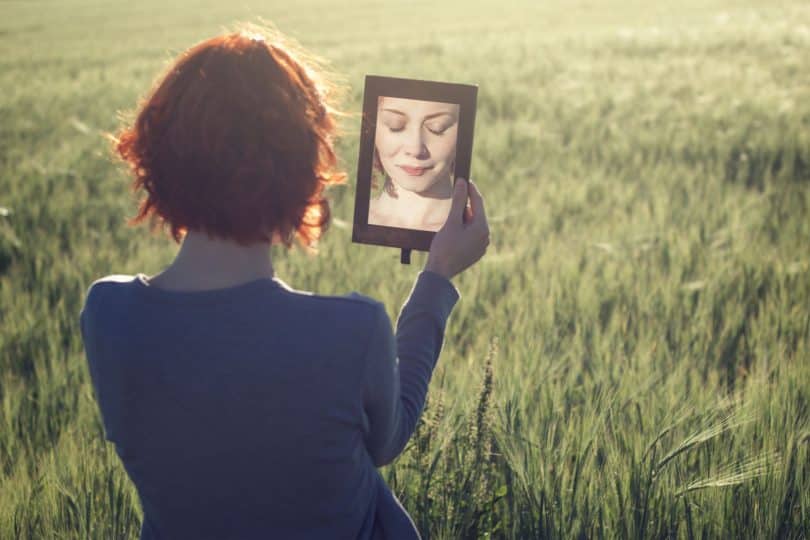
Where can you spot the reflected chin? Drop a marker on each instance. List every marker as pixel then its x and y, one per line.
pixel 415 184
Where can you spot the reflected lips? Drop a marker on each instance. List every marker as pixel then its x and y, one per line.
pixel 414 171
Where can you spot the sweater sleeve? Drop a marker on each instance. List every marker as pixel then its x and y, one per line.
pixel 398 368
pixel 87 322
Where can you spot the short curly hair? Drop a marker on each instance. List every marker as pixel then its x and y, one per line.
pixel 235 140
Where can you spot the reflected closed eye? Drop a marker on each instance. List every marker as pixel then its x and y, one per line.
pixel 437 130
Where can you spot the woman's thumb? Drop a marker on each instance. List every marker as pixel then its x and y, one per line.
pixel 459 200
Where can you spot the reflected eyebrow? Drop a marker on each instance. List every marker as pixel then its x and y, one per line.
pixel 428 117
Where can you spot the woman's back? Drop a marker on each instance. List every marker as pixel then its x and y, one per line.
pixel 258 410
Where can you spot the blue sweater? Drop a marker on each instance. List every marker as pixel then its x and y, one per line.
pixel 259 411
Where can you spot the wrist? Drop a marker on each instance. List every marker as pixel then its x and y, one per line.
pixel 437 267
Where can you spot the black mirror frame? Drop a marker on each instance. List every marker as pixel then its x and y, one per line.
pixel 465 95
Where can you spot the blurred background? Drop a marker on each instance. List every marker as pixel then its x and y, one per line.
pixel 630 358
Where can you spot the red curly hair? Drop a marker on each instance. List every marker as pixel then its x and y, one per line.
pixel 235 140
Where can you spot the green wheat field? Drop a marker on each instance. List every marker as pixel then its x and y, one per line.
pixel 631 358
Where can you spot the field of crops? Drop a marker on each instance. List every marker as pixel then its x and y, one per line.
pixel 630 359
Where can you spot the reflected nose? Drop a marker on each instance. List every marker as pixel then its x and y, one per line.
pixel 414 145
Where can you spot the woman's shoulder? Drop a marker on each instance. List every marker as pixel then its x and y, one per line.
pixel 114 279
pixel 124 293
pixel 113 282
pixel 108 283
pixel 99 291
pixel 350 305
pixel 118 288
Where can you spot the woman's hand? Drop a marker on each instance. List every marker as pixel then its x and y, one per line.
pixel 465 235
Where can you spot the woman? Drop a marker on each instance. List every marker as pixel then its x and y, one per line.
pixel 415 149
pixel 239 406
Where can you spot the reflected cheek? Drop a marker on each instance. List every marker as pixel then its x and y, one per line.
pixel 387 145
pixel 444 152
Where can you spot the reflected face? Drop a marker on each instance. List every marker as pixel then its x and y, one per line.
pixel 416 142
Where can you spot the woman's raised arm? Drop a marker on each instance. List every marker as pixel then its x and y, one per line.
pixel 399 368
pixel 398 371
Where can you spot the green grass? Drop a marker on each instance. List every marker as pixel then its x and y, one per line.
pixel 630 359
